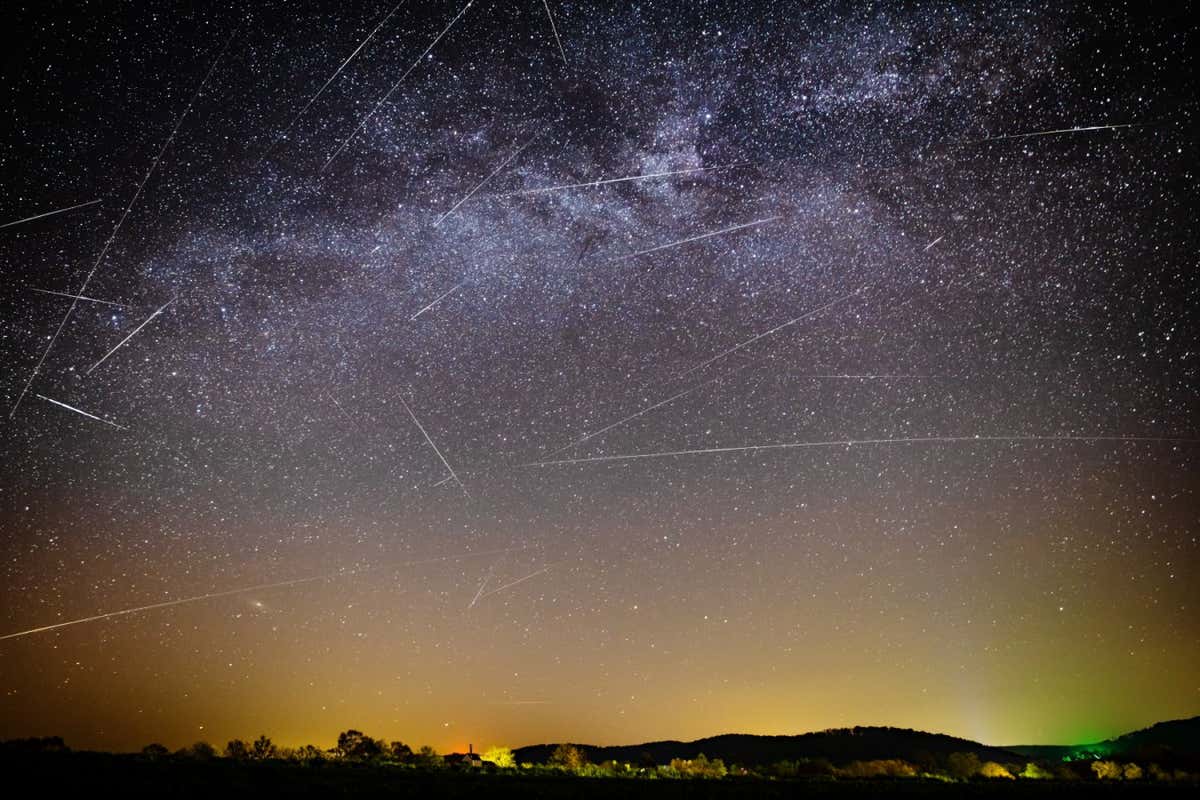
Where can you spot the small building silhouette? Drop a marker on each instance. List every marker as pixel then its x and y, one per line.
pixel 467 760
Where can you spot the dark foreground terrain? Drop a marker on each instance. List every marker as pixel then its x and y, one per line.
pixel 85 774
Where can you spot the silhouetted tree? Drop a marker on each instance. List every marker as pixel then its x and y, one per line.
pixel 400 751
pixel 45 744
pixel 155 751
pixel 237 750
pixel 963 766
pixel 356 745
pixel 309 754
pixel 428 757
pixel 699 767
pixel 568 756
pixel 263 748
pixel 990 769
pixel 200 751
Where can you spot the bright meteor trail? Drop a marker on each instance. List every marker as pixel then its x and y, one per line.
pixel 854 442
pixel 701 236
pixel 776 329
pixel 256 588
pixel 607 181
pixel 49 213
pixel 81 412
pixel 116 228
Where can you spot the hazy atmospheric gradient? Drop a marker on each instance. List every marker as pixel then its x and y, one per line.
pixel 514 371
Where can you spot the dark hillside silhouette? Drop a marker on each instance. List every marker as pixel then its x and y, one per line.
pixel 840 746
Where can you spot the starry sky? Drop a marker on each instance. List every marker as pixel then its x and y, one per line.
pixel 382 320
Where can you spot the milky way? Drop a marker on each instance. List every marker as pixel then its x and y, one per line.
pixel 356 267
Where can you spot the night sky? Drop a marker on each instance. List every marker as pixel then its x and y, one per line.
pixel 401 325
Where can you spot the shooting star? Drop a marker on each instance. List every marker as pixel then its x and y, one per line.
pixel 121 343
pixel 243 590
pixel 708 235
pixel 77 297
pixel 1058 131
pixel 645 410
pixel 776 329
pixel 645 177
pixel 554 28
pixel 499 589
pixel 493 174
pixel 395 86
pixel 862 442
pixel 332 78
pixel 49 213
pixel 446 463
pixel 104 251
pixel 437 300
pixel 486 579
pixel 80 411
pixel 863 377
pixel 931 244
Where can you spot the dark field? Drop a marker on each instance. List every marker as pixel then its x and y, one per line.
pixel 103 774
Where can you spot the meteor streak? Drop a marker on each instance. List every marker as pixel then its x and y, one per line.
pixel 78 297
pixel 776 329
pixel 332 77
pixel 120 222
pixel 484 583
pixel 931 244
pixel 84 413
pixel 708 235
pixel 421 428
pixel 1058 131
pixel 257 588
pixel 121 343
pixel 852 442
pixel 645 410
pixel 493 174
pixel 647 176
pixel 49 214
pixel 554 28
pixel 499 589
pixel 437 300
pixel 395 86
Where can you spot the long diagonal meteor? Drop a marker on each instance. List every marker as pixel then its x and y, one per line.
pixel 395 86
pixel 243 590
pixel 709 235
pixel 438 299
pixel 133 333
pixel 862 442
pixel 77 297
pixel 776 329
pixel 283 134
pixel 606 181
pixel 446 463
pixel 491 175
pixel 49 213
pixel 645 410
pixel 1084 129
pixel 81 412
pixel 554 28
pixel 511 584
pixel 132 202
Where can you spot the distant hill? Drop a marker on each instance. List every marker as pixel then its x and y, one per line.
pixel 1164 742
pixel 839 746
